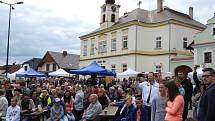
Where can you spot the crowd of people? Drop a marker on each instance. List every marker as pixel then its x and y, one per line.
pixel 139 99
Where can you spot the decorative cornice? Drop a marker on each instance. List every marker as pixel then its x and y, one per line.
pixel 203 44
pixel 135 22
pixel 143 53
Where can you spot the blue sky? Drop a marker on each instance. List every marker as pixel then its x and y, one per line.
pixel 55 25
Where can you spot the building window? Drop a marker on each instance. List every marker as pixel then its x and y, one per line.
pixel 112 18
pixel 113 45
pixel 25 68
pixel 85 48
pixel 208 57
pixel 104 9
pixel 113 67
pixel 103 18
pixel 124 67
pixel 47 67
pixel 102 46
pixel 213 31
pixel 125 42
pixel 92 47
pixel 185 42
pixel 54 67
pixel 158 42
pixel 158 68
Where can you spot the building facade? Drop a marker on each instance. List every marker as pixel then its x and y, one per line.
pixel 141 40
pixel 53 61
pixel 204 47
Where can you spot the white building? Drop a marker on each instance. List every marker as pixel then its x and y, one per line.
pixel 142 40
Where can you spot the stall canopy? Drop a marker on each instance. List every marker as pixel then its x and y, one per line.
pixel 60 72
pixel 128 72
pixel 93 69
pixel 13 75
pixel 30 73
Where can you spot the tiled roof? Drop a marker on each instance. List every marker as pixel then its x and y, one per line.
pixel 153 16
pixel 33 63
pixel 11 68
pixel 69 61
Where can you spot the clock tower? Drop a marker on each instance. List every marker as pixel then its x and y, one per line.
pixel 109 14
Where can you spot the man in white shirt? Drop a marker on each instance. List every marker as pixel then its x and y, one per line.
pixel 13 112
pixel 150 90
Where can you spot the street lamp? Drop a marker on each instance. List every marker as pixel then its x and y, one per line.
pixel 8 37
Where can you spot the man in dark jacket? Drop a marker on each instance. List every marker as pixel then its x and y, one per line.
pixel 188 87
pixel 126 111
pixel 207 101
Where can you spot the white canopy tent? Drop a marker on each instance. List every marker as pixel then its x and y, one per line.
pixel 128 72
pixel 199 74
pixel 13 75
pixel 60 72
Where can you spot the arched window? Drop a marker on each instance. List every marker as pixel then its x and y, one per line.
pixel 113 18
pixel 103 18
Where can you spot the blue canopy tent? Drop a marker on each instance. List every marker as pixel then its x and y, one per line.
pixel 30 73
pixel 93 69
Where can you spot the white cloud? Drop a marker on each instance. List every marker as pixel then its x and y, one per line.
pixel 41 25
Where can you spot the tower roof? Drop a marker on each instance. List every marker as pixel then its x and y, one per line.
pixel 109 1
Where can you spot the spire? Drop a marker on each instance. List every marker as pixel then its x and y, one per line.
pixel 109 1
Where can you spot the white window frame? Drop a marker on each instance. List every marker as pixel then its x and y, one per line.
pixel 213 30
pixel 113 67
pixel 185 41
pixel 158 68
pixel 125 39
pixel 102 46
pixel 211 56
pixel 123 67
pixel 158 43
pixel 92 47
pixel 85 48
pixel 113 44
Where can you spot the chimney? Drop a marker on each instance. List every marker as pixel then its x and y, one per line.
pixel 191 12
pixel 65 53
pixel 159 5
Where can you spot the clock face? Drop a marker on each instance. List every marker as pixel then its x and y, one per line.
pixel 113 8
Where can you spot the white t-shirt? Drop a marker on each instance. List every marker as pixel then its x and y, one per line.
pixel 13 113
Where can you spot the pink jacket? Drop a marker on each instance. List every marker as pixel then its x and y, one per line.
pixel 174 110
